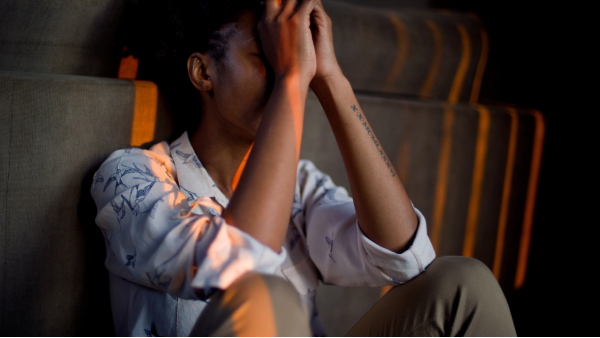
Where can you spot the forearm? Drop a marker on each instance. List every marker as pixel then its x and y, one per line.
pixel 383 208
pixel 262 201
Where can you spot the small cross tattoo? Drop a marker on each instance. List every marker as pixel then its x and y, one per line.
pixel 360 118
pixel 354 108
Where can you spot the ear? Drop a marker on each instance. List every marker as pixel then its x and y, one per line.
pixel 197 66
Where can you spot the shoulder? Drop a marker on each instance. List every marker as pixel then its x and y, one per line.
pixel 159 151
pixel 133 163
pixel 157 155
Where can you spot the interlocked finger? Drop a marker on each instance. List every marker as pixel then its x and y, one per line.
pixel 307 6
pixel 319 5
pixel 290 7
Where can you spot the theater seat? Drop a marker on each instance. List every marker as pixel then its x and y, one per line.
pixel 471 169
pixel 56 131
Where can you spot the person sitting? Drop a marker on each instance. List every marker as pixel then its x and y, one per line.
pixel 226 232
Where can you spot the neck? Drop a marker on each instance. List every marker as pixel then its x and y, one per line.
pixel 221 147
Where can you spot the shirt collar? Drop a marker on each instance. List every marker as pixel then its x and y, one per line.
pixel 194 180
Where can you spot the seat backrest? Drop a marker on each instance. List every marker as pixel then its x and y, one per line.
pixel 61 37
pixel 415 53
pixel 56 131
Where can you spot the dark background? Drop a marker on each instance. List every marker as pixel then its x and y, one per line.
pixel 538 58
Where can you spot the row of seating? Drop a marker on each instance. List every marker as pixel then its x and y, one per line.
pixel 471 169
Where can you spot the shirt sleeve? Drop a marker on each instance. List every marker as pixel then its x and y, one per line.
pixel 158 238
pixel 343 254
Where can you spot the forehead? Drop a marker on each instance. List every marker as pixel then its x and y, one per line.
pixel 246 33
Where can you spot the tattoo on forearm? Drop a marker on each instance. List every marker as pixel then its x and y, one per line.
pixel 372 136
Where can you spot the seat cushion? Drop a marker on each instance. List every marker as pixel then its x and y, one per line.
pixel 61 37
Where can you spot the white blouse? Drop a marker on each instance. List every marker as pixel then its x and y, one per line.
pixel 168 249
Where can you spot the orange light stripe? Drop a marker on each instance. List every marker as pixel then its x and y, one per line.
pixel 385 289
pixel 128 68
pixel 534 175
pixel 508 174
pixel 401 53
pixel 477 183
pixel 437 60
pixel 480 67
pixel 144 113
pixel 463 66
pixel 240 170
pixel 442 176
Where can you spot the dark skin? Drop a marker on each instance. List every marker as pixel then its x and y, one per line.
pixel 234 96
pixel 243 110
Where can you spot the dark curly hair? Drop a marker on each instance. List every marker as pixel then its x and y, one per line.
pixel 162 34
pixel 168 31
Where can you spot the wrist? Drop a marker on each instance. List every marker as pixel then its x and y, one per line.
pixel 293 79
pixel 325 85
pixel 326 82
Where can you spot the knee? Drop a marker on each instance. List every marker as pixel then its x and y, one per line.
pixel 259 298
pixel 252 285
pixel 256 289
pixel 469 285
pixel 255 305
pixel 464 269
pixel 465 273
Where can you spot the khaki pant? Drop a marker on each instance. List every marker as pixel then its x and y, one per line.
pixel 455 296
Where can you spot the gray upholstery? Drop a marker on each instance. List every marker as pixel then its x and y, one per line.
pixel 5 121
pixel 56 131
pixel 57 37
pixel 61 37
pixel 369 48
